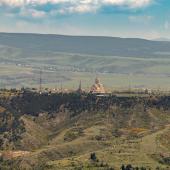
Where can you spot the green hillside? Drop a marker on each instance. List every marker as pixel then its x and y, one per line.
pixel 72 131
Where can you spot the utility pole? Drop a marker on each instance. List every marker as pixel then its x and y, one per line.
pixel 56 85
pixel 40 85
pixel 130 88
pixel 61 87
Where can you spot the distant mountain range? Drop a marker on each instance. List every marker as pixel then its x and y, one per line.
pixel 93 45
pixel 162 39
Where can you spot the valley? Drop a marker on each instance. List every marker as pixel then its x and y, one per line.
pixel 141 63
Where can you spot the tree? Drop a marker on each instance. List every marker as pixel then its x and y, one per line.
pixel 93 156
pixel 123 167
pixel 129 167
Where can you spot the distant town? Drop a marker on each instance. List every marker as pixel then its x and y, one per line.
pixel 97 89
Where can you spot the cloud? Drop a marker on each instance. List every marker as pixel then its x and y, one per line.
pixel 141 18
pixel 32 7
pixel 132 3
pixel 33 13
pixel 129 3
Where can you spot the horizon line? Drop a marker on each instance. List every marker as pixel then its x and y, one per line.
pixel 81 35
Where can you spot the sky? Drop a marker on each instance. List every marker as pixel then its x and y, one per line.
pixel 118 18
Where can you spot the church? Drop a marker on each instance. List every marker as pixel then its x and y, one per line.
pixel 97 87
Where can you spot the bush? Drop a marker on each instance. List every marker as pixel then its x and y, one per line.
pixel 93 156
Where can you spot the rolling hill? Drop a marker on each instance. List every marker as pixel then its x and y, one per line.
pixel 67 59
pixel 107 46
pixel 61 131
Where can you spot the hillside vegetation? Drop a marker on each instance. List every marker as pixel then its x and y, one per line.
pixel 73 131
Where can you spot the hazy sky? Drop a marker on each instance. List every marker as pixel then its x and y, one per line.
pixel 124 18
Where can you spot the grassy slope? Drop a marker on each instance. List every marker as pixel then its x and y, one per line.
pixel 67 147
pixel 35 135
pixel 65 142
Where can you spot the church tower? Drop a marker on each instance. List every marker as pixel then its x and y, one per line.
pixel 79 90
